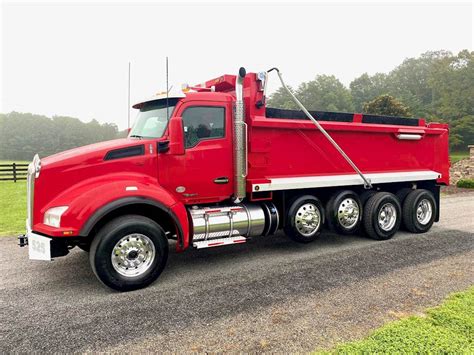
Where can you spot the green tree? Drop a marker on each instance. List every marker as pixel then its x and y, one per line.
pixel 325 93
pixel 461 133
pixel 22 135
pixel 281 99
pixel 452 81
pixel 386 105
pixel 366 88
pixel 411 81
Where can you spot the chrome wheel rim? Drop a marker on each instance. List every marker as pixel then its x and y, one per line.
pixel 133 255
pixel 348 213
pixel 424 211
pixel 307 219
pixel 387 217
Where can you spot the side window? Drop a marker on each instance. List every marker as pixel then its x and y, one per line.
pixel 202 123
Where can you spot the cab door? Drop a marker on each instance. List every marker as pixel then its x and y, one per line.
pixel 205 172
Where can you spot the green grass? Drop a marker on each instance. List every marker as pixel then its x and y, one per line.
pixel 466 183
pixel 12 204
pixel 457 156
pixel 448 328
pixel 12 207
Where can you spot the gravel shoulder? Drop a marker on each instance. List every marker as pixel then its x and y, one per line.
pixel 270 294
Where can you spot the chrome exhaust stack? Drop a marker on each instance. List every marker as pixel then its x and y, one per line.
pixel 240 139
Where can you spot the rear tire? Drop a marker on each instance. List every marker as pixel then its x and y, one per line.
pixel 364 196
pixel 344 212
pixel 129 253
pixel 305 219
pixel 419 211
pixel 382 216
pixel 402 194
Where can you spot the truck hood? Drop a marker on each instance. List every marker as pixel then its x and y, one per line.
pixel 84 154
pixel 107 161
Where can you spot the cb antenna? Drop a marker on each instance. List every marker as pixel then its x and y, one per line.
pixel 128 105
pixel 167 91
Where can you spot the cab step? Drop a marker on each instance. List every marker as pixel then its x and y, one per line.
pixel 219 242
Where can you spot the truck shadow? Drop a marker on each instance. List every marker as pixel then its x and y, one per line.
pixel 263 251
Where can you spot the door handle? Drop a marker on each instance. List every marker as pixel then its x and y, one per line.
pixel 221 180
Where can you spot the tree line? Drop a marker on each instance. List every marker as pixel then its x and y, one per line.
pixel 22 135
pixel 437 86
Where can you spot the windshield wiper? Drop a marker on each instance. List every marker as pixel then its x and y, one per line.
pixel 136 136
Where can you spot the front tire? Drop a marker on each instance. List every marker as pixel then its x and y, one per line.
pixel 382 216
pixel 129 253
pixel 305 219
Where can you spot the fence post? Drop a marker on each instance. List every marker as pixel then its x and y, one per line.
pixel 14 172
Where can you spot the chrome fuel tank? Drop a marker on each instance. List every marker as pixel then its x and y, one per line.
pixel 246 220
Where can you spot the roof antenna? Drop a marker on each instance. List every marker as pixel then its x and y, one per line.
pixel 167 91
pixel 128 106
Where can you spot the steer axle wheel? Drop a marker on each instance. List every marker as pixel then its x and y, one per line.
pixel 129 253
pixel 344 212
pixel 419 211
pixel 382 216
pixel 305 218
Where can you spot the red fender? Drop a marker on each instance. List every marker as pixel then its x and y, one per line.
pixel 93 197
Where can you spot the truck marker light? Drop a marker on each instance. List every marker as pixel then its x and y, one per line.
pixel 131 188
pixel 67 233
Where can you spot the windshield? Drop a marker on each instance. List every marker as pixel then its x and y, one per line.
pixel 151 121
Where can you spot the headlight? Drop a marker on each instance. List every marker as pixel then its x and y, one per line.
pixel 36 165
pixel 52 217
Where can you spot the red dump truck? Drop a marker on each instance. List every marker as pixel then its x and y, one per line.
pixel 214 166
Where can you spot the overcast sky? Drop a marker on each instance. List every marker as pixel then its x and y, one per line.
pixel 64 59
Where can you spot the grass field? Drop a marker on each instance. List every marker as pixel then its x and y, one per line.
pixel 12 204
pixel 446 329
pixel 12 207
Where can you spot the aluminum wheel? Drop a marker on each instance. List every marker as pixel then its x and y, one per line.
pixel 308 219
pixel 424 211
pixel 387 217
pixel 133 255
pixel 348 213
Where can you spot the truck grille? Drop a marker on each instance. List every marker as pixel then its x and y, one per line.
pixel 30 189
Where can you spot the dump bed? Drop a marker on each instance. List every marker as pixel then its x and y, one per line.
pixel 287 151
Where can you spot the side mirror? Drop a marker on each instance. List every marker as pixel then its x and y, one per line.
pixel 176 135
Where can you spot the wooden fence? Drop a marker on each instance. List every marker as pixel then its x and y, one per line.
pixel 13 172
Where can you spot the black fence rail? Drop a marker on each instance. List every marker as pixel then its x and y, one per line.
pixel 13 172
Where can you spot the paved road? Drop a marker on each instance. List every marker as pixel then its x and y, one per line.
pixel 270 294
